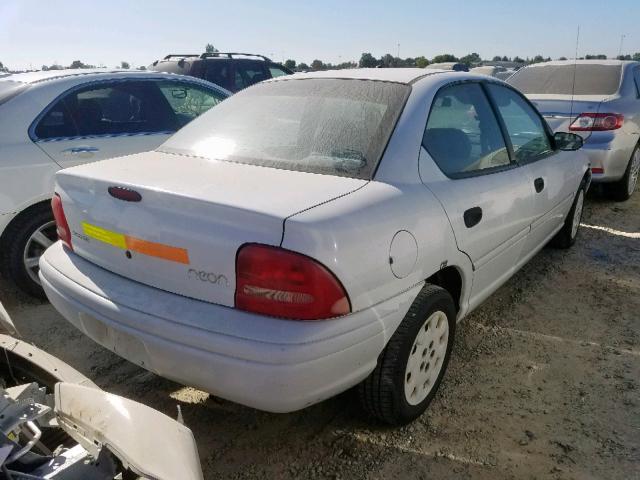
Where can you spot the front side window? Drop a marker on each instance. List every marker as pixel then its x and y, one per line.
pixel 327 126
pixel 525 127
pixel 189 101
pixel 636 75
pixel 462 134
pixel 126 107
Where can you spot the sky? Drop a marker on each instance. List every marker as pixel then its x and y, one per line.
pixel 38 32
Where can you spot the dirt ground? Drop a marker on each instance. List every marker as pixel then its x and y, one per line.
pixel 544 382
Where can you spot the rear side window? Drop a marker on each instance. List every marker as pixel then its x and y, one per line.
pixel 109 109
pixel 249 73
pixel 276 71
pixel 525 127
pixel 57 123
pixel 590 79
pixel 188 101
pixel 217 72
pixel 462 134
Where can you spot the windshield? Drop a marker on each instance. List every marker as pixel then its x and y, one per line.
pixel 9 89
pixel 558 79
pixel 329 126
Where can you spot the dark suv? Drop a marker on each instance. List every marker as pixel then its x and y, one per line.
pixel 233 71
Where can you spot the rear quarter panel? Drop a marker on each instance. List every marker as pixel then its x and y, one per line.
pixel 352 237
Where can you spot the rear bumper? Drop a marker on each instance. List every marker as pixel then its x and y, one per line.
pixel 269 364
pixel 609 154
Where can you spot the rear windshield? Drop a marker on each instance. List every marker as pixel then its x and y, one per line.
pixel 329 126
pixel 9 89
pixel 558 79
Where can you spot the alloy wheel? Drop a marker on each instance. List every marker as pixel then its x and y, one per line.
pixel 38 242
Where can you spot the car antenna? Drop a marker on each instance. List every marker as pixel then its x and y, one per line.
pixel 575 66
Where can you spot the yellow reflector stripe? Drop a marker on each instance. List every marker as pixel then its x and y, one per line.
pixel 105 236
pixel 145 247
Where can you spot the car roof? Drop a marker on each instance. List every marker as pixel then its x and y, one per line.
pixel 398 75
pixel 93 74
pixel 583 62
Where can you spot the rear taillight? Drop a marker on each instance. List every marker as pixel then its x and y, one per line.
pixel 597 170
pixel 595 122
pixel 280 283
pixel 62 227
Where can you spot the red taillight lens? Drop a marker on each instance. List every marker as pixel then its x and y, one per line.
pixel 62 227
pixel 597 170
pixel 280 283
pixel 594 122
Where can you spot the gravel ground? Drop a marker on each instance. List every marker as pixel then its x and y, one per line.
pixel 544 382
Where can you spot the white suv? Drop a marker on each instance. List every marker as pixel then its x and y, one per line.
pixel 315 232
pixel 58 119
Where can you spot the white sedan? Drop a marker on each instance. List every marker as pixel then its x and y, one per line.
pixel 57 119
pixel 313 233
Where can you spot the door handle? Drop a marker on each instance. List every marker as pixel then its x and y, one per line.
pixel 472 217
pixel 539 184
pixel 77 150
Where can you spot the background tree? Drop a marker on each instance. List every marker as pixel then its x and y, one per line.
pixel 518 59
pixel 142 67
pixel 497 58
pixel 421 62
pixel 303 67
pixel 75 64
pixel 445 57
pixel 290 64
pixel 624 57
pixel 562 58
pixel 636 56
pixel 368 61
pixel 125 65
pixel 209 48
pixel 506 59
pixel 471 59
pixel 3 68
pixel 317 65
pixel 595 57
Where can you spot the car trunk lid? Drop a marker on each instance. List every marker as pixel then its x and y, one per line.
pixel 560 111
pixel 193 214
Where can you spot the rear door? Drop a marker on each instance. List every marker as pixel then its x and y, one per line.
pixel 115 118
pixel 549 171
pixel 487 197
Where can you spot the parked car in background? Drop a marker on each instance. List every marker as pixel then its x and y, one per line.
pixel 603 105
pixel 58 119
pixel 453 66
pixel 233 71
pixel 334 242
pixel 496 71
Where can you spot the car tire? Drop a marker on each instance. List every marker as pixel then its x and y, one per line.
pixel 411 366
pixel 566 237
pixel 23 244
pixel 624 188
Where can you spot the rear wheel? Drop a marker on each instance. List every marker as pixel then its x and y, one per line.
pixel 412 365
pixel 624 188
pixel 25 241
pixel 566 237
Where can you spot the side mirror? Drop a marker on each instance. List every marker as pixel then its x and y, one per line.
pixel 567 141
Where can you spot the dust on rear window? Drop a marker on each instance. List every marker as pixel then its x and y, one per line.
pixel 9 89
pixel 329 126
pixel 558 79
